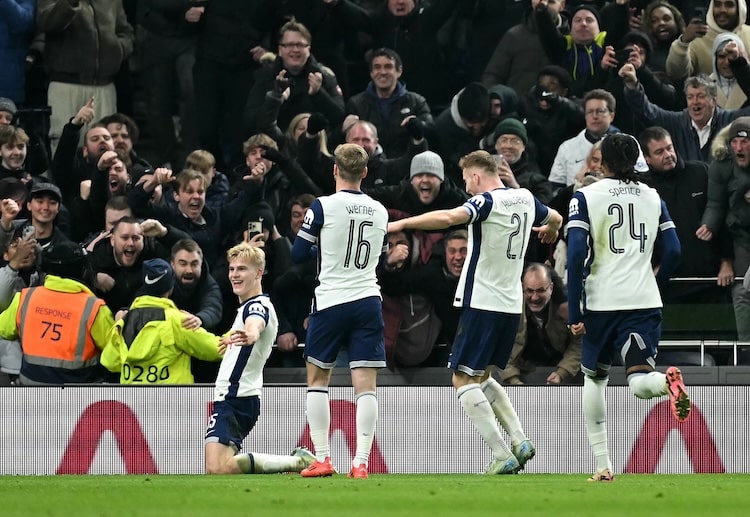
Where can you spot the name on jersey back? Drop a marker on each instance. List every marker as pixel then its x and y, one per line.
pixel 624 191
pixel 360 209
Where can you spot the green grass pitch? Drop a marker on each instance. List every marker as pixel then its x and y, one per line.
pixel 556 495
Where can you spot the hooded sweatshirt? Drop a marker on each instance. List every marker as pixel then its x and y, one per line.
pixel 694 58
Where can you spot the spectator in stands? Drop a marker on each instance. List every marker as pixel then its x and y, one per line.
pixel 459 129
pixel 116 261
pixel 116 208
pixel 663 23
pixel 191 215
pixel 273 178
pixel 13 147
pixel 727 207
pixel 509 141
pixel 288 140
pixel 19 271
pixel 298 205
pixel 312 87
pixel 125 133
pixel 437 280
pixel 581 51
pixel 83 51
pixel 543 339
pixel 167 56
pixel 73 163
pixel 218 184
pixel 43 207
pixel 683 186
pixel 227 57
pixel 691 54
pixel 37 156
pixel 551 116
pixel 692 129
pixel 411 325
pixel 55 348
pixel 152 344
pixel 730 91
pixel 7 111
pixel 381 170
pixel 16 32
pixel 426 189
pixel 519 56
pixel 110 178
pixel 198 297
pixel 388 104
pixel 410 28
pixel 635 48
pixel 599 109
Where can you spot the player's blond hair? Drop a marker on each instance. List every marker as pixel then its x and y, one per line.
pixel 351 159
pixel 480 160
pixel 247 253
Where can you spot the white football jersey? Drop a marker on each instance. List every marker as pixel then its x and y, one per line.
pixel 622 220
pixel 499 231
pixel 349 229
pixel 241 370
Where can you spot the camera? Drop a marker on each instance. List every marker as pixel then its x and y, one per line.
pixel 623 55
pixel 254 228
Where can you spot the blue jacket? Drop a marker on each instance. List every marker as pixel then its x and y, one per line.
pixel 16 31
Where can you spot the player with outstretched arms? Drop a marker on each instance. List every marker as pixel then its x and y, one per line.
pixel 613 294
pixel 240 378
pixel 346 233
pixel 501 221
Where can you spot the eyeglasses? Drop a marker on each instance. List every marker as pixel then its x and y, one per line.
pixel 298 46
pixel 528 291
pixel 600 112
pixel 509 140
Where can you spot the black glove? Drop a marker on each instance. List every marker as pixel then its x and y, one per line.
pixel 272 154
pixel 316 123
pixel 415 127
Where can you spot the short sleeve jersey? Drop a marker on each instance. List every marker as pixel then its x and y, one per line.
pixel 241 370
pixel 500 223
pixel 622 221
pixel 349 229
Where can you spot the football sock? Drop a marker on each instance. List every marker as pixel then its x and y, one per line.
pixel 648 385
pixel 319 421
pixel 595 414
pixel 503 409
pixel 367 418
pixel 257 463
pixel 480 413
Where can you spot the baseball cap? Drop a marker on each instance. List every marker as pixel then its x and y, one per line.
pixel 427 162
pixel 158 277
pixel 45 188
pixel 65 259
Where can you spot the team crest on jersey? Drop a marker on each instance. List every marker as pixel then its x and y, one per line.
pixel 573 208
pixel 478 201
pixel 309 218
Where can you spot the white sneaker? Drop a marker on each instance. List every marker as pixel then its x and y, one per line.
pixel 503 466
pixel 306 457
pixel 523 452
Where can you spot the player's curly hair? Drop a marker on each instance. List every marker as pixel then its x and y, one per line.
pixel 620 154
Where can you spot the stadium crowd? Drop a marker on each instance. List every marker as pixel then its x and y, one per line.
pixel 240 105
